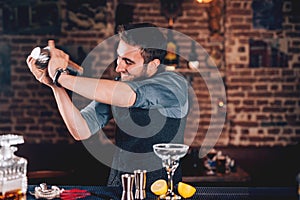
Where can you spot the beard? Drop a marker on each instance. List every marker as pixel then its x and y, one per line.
pixel 135 77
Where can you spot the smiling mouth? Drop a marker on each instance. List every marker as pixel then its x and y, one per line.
pixel 124 75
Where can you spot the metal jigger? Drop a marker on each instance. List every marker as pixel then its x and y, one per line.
pixel 127 184
pixel 140 184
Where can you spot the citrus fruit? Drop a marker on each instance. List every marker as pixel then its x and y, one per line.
pixel 159 187
pixel 185 190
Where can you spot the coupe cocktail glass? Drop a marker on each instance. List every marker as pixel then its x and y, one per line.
pixel 170 155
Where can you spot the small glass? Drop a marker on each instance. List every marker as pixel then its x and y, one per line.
pixel 170 155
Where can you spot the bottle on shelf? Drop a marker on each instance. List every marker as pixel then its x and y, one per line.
pixel 172 57
pixel 193 62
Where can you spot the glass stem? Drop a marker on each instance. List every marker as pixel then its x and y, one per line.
pixel 170 181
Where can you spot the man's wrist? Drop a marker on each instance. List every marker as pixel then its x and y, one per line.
pixel 56 76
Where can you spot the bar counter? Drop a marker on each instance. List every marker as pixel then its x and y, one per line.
pixel 202 193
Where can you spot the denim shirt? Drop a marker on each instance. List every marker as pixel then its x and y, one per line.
pixel 157 116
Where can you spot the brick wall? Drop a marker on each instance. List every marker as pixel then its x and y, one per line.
pixel 262 103
pixel 28 107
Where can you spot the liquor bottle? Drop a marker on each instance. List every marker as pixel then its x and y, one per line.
pixel 13 169
pixel 298 180
pixel 172 57
pixel 193 62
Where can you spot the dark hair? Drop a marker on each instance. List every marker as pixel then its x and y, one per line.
pixel 147 37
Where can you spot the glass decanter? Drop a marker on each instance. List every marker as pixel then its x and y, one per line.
pixel 13 169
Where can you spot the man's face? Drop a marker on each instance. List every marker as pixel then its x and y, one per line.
pixel 130 63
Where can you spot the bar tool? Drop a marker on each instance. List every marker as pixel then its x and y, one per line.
pixel 140 184
pixel 127 184
pixel 42 57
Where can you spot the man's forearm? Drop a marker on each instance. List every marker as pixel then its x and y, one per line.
pixel 101 90
pixel 72 117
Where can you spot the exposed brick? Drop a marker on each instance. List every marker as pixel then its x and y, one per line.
pixel 266 95
pixel 240 27
pixel 5 129
pixel 25 121
pixel 246 88
pixel 273 109
pixel 267 35
pixel 266 72
pixel 261 139
pixel 247 109
pixel 248 102
pixel 236 4
pixel 285 94
pixel 245 131
pixel 241 49
pixel 5 121
pixel 287 87
pixel 20 128
pixel 260 132
pixel 33 128
pixel 240 12
pixel 237 94
pixel 47 128
pixel 287 131
pixel 274 131
pixel 23 40
pixel 296 65
pixel 243 58
pixel 291 117
pixel 274 87
pixel 245 124
pixel 285 139
pixel 293 34
pixel 260 94
pixel 262 117
pixel 290 103
pixel 261 87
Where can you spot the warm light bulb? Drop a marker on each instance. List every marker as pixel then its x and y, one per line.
pixel 204 1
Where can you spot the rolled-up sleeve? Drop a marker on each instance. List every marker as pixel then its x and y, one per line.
pixel 96 115
pixel 167 92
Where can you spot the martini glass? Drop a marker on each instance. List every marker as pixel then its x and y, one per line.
pixel 170 155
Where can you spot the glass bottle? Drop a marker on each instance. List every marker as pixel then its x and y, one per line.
pixel 172 56
pixel 13 169
pixel 193 62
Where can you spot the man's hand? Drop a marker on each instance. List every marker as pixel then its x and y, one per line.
pixel 40 74
pixel 58 60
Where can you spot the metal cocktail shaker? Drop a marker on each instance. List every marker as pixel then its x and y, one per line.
pixel 42 57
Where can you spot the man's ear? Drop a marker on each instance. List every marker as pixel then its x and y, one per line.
pixel 152 65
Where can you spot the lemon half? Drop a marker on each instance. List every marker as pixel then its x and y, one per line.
pixel 185 190
pixel 159 187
